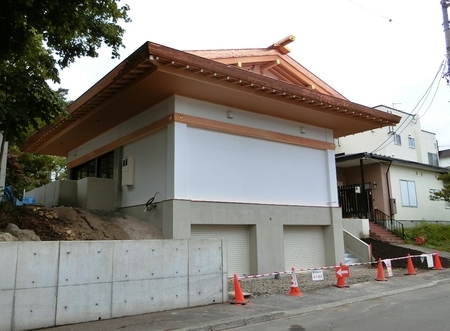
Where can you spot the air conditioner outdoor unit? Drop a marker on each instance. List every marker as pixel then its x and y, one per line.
pixel 128 171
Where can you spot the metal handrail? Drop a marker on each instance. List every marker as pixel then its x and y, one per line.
pixel 388 223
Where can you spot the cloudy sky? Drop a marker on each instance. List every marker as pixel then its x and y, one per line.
pixel 371 51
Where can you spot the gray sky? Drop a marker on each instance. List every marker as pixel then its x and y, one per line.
pixel 371 51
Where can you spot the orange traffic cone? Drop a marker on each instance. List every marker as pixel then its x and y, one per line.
pixel 380 275
pixel 410 267
pixel 437 262
pixel 294 285
pixel 238 295
pixel 340 281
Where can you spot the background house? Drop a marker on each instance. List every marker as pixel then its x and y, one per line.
pixel 234 144
pixel 444 158
pixel 398 166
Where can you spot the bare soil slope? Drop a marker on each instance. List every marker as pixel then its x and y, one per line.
pixel 67 223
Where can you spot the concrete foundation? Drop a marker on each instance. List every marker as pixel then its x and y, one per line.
pixel 45 284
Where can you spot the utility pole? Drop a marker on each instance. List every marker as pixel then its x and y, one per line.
pixel 445 4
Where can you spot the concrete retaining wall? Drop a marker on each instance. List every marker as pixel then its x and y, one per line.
pixel 88 192
pixel 357 227
pixel 44 284
pixel 357 246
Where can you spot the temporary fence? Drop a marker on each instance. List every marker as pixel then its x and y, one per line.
pixel 341 272
pixel 295 270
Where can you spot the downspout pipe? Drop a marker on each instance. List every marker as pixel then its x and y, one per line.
pixel 388 184
pixel 363 187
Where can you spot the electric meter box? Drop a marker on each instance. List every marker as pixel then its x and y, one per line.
pixel 128 171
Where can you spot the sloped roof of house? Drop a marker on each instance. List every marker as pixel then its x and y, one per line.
pixel 444 153
pixel 352 160
pixel 155 72
pixel 272 61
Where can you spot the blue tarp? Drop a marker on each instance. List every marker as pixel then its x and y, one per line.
pixel 8 196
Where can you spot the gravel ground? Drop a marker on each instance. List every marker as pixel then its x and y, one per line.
pixel 270 285
pixel 358 274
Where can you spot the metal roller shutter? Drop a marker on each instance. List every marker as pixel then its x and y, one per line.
pixel 237 237
pixel 304 246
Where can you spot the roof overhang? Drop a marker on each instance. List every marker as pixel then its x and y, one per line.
pixel 155 72
pixel 353 160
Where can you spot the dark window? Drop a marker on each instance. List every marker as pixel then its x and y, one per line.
pixel 433 159
pixel 101 167
pixel 105 166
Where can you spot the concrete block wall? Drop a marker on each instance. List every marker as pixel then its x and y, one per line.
pixel 44 284
pixel 357 227
pixel 89 193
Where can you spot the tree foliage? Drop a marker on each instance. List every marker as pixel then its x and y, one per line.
pixel 444 194
pixel 70 28
pixel 27 171
pixel 39 37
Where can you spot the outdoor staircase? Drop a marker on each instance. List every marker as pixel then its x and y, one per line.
pixel 351 258
pixel 377 232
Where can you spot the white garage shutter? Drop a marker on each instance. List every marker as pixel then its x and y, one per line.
pixel 303 246
pixel 237 242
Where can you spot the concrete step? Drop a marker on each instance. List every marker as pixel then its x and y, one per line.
pixel 379 233
pixel 350 258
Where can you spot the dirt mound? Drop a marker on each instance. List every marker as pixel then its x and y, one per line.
pixel 67 223
pixel 384 250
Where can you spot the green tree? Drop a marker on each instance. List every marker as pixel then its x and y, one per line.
pixel 444 194
pixel 39 37
pixel 27 170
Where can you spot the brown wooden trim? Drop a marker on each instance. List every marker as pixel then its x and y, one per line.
pixel 142 132
pixel 251 132
pixel 204 124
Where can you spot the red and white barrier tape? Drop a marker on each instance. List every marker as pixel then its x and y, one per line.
pixel 321 268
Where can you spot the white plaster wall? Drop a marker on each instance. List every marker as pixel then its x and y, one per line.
pixel 147 117
pixel 225 167
pixel 366 141
pixel 44 284
pixel 219 113
pixel 151 169
pixel 427 144
pixel 381 142
pixel 425 180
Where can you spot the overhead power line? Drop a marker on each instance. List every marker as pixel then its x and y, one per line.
pixel 414 112
pixel 374 12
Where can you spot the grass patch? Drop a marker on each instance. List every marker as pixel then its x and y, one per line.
pixel 437 236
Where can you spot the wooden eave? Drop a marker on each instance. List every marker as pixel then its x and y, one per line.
pixel 155 72
pixel 288 69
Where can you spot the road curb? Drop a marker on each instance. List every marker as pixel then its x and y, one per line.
pixel 228 324
pixel 233 323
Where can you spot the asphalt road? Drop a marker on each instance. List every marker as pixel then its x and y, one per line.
pixel 423 309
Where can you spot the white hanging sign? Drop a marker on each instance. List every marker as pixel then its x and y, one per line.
pixel 429 258
pixel 317 275
pixel 388 267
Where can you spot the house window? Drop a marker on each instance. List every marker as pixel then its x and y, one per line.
pixel 408 192
pixel 105 166
pixel 433 159
pixel 397 139
pixel 411 142
pixel 101 167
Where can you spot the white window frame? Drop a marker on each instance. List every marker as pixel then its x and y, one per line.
pixel 397 139
pixel 412 142
pixel 408 193
pixel 433 159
